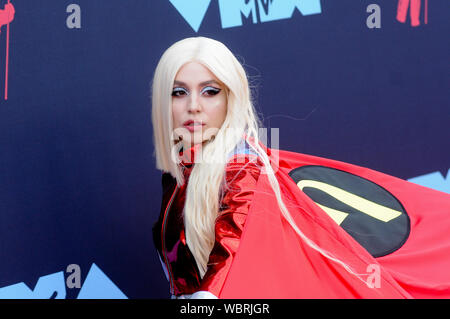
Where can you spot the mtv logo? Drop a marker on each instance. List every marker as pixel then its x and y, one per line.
pixel 231 11
pixel 433 180
pixel 96 286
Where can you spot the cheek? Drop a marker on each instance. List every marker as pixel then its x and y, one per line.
pixel 176 116
pixel 223 109
pixel 219 111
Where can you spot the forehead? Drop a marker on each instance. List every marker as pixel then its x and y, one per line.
pixel 195 73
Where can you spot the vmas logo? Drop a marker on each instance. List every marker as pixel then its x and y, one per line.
pixel 435 180
pixel 96 285
pixel 231 11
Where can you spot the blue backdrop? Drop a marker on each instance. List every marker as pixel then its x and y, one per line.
pixel 78 183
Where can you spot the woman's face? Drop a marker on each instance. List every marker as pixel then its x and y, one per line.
pixel 199 104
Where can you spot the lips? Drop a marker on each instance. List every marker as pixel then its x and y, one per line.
pixel 193 123
pixel 193 126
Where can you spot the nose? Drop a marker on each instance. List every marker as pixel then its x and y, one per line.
pixel 194 103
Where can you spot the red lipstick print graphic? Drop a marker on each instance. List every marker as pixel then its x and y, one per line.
pixel 414 11
pixel 6 16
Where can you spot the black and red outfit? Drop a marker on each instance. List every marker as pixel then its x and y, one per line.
pixel 257 253
pixel 169 237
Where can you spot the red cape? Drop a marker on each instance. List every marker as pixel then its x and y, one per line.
pixel 394 234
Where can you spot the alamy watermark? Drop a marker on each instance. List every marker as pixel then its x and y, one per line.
pixel 373 21
pixel 183 136
pixel 73 21
pixel 374 276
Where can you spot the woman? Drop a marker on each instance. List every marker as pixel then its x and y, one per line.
pixel 233 223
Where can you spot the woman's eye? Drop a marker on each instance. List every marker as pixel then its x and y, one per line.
pixel 208 91
pixel 178 92
pixel 211 91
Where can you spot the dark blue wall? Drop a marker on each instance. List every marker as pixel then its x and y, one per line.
pixel 78 183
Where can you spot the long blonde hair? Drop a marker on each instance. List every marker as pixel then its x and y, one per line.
pixel 206 179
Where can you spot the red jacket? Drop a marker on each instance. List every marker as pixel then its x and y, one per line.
pixel 169 237
pixel 393 233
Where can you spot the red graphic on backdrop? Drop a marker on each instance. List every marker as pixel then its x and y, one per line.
pixel 6 16
pixel 414 11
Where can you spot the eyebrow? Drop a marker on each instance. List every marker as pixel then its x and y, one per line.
pixel 201 84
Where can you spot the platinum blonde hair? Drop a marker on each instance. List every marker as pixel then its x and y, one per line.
pixel 206 180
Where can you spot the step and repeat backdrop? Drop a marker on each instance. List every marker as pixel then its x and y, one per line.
pixel 365 82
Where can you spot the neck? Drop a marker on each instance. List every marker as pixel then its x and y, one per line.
pixel 190 151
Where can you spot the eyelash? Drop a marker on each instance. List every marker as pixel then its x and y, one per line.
pixel 210 89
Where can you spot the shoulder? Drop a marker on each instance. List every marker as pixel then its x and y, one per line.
pixel 242 149
pixel 168 182
pixel 242 162
pixel 242 170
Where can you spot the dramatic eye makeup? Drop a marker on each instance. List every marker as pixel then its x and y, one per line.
pixel 209 90
pixel 178 91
